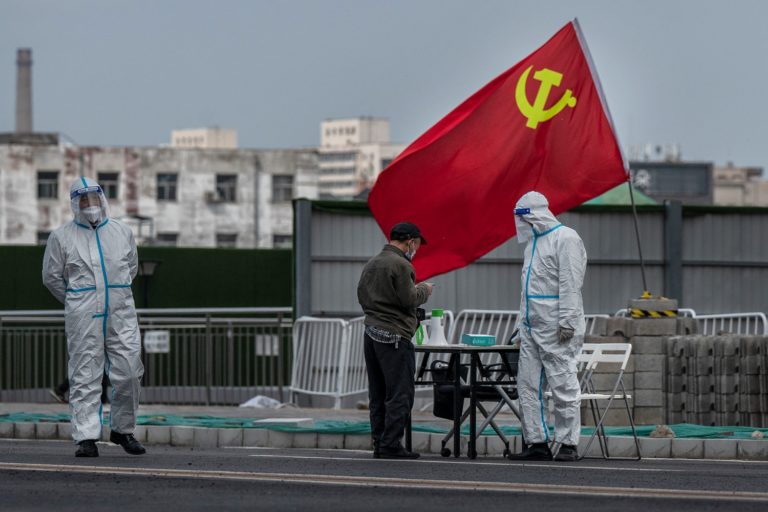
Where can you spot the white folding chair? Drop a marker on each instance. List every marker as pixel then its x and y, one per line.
pixel 594 356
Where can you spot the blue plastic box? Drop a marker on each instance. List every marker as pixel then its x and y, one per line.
pixel 478 340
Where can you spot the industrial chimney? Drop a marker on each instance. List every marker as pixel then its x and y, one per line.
pixel 24 90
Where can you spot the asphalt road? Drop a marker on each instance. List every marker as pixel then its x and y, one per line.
pixel 44 475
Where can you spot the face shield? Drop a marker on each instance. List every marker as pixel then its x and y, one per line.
pixel 89 205
pixel 524 229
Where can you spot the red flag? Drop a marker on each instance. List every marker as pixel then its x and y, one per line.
pixel 541 125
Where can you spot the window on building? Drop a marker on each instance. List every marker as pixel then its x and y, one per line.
pixel 282 241
pixel 282 188
pixel 228 240
pixel 47 184
pixel 42 237
pixel 385 162
pixel 108 182
pixel 226 187
pixel 167 239
pixel 166 187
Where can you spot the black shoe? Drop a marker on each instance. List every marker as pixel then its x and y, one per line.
pixel 87 448
pixel 376 450
pixel 128 442
pixel 536 451
pixel 567 453
pixel 58 396
pixel 397 453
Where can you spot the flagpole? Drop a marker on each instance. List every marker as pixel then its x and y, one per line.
pixel 637 232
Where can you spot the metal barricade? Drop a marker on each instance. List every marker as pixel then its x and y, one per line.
pixel 356 379
pixel 214 355
pixel 592 322
pixel 499 323
pixel 320 348
pixel 733 323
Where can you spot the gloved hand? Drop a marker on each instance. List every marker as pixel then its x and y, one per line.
pixel 565 334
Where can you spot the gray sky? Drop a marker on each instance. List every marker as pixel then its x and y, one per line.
pixel 128 72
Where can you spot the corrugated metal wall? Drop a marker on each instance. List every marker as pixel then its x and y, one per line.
pixel 725 261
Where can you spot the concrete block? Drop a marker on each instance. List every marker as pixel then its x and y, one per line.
pixel 622 446
pixel 494 447
pixel 24 430
pixel 594 449
pixel 720 448
pixel 334 441
pixel 648 345
pixel 231 437
pixel 591 338
pixel 105 431
pixel 6 430
pixel 46 431
pixel 255 437
pixel 656 447
pixel 653 304
pixel 619 326
pixel 294 422
pixel 649 363
pixel 182 436
pixel 64 431
pixel 648 398
pixel 648 380
pixel 604 382
pixel 157 434
pixel 140 433
pixel 687 326
pixel 648 415
pixel 687 448
pixel 304 440
pixel 420 442
pixel 357 442
pixel 614 417
pixel 752 449
pixel 654 327
pixel 435 443
pixel 206 437
pixel 599 326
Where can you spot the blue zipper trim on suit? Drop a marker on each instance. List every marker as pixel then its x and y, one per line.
pixel 82 178
pixel 543 296
pixel 547 231
pixel 106 282
pixel 118 286
pixel 78 290
pixel 527 282
pixel 81 225
pixel 541 406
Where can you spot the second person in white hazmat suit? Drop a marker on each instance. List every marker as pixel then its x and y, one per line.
pixel 551 328
pixel 89 265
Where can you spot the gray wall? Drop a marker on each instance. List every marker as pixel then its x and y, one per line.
pixel 721 264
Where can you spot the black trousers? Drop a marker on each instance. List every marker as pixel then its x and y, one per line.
pixel 391 368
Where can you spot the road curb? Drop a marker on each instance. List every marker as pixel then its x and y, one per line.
pixel 202 437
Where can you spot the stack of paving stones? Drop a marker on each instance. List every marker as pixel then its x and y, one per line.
pixel 717 380
pixel 647 369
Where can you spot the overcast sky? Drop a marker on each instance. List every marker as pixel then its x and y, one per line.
pixel 128 72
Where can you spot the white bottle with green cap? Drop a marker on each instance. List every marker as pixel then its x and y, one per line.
pixel 436 330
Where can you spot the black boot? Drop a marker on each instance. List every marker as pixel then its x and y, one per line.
pixel 567 453
pixel 397 453
pixel 87 448
pixel 128 442
pixel 535 451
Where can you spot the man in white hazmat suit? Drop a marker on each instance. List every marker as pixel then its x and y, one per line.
pixel 89 264
pixel 551 328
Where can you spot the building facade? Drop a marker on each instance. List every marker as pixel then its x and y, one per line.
pixel 352 154
pixel 740 186
pixel 169 196
pixel 204 138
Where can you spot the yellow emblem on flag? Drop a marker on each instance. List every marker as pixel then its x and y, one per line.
pixel 536 113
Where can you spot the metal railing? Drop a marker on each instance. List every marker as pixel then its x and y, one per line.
pixel 733 323
pixel 215 356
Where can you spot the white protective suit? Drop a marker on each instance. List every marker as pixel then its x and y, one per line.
pixel 553 273
pixel 90 267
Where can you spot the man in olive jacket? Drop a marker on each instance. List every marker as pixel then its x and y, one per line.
pixel 389 296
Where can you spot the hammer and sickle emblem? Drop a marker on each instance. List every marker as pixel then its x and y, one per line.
pixel 536 113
